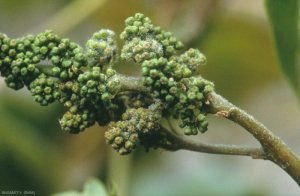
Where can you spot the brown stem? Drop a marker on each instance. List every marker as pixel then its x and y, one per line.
pixel 181 142
pixel 275 149
pixel 130 83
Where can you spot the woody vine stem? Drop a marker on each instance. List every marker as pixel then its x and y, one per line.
pixel 132 107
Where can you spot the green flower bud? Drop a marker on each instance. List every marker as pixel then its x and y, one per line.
pixel 169 50
pixel 110 72
pixel 164 80
pixel 56 71
pixel 90 83
pixel 129 21
pixel 4 48
pixel 173 90
pixel 55 60
pixel 31 67
pixel 118 140
pixel 134 137
pixel 65 41
pixel 43 50
pixel 204 123
pixel 179 45
pixel 62 47
pixel 188 131
pixel 105 97
pixel 56 95
pixel 68 104
pixel 44 102
pixel 49 98
pixel 191 96
pixel 80 57
pixel 129 145
pixel 13 43
pixel 169 98
pixel 194 131
pixel 23 71
pixel 15 71
pixel 153 73
pixel 199 96
pixel 203 129
pixel 20 55
pixel 12 52
pixel 66 63
pixel 145 71
pixel 102 88
pixel 148 81
pixel 38 90
pixel 63 74
pixel 35 59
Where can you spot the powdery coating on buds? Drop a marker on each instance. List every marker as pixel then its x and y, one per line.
pixel 141 50
pixel 138 32
pixel 136 125
pixel 102 48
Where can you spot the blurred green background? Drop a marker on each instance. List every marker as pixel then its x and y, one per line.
pixel 35 155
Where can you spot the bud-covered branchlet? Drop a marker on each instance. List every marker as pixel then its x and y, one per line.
pixel 89 99
pixel 102 49
pixel 96 93
pixel 139 124
pixel 20 58
pixel 144 41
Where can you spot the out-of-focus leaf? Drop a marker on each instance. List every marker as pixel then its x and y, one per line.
pixel 284 20
pixel 91 187
pixel 113 189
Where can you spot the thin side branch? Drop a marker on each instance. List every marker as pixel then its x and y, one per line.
pixel 181 142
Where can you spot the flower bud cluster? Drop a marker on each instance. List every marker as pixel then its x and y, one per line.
pixel 17 59
pixel 140 50
pixel 88 99
pixel 45 90
pixel 102 48
pixel 193 95
pixel 139 124
pixel 143 41
pixel 193 58
pixel 157 77
pixel 98 87
pixel 67 59
pixel 167 76
pixel 178 90
pixel 92 95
